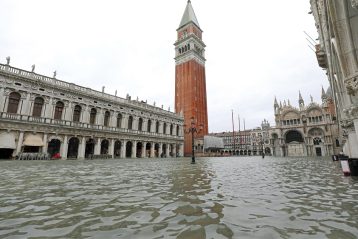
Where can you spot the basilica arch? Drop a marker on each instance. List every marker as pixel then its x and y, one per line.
pixel 294 144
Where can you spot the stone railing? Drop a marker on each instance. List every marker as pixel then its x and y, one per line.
pixel 79 125
pixel 84 90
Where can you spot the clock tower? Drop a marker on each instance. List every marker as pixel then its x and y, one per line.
pixel 190 83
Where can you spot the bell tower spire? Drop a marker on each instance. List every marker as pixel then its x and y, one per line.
pixel 190 82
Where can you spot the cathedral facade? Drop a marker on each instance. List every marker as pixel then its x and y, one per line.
pixel 307 130
pixel 46 116
pixel 190 79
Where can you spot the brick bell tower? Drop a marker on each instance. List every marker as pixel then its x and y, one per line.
pixel 190 84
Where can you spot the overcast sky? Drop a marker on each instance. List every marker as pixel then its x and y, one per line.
pixel 256 50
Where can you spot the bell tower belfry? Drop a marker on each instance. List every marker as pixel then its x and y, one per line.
pixel 190 83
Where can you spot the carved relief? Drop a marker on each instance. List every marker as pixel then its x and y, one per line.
pixel 355 3
pixel 352 84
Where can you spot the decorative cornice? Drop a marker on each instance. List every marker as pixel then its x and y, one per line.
pixel 352 84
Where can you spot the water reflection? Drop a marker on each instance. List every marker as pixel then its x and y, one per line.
pixel 170 198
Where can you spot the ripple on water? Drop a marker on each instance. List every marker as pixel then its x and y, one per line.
pixel 170 198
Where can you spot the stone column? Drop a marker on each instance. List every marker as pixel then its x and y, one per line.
pixel 144 152
pixel 175 151
pixel 113 119
pixel 124 122
pixel 49 108
pixel 82 148
pixel 2 99
pixel 135 123
pixel 25 105
pixel 160 149
pixel 44 148
pixel 152 150
pixel 145 125
pixel 85 114
pixel 111 148
pixel 181 150
pixel 97 147
pixel 68 111
pixel 100 117
pixel 19 142
pixel 134 149
pixel 64 148
pixel 123 149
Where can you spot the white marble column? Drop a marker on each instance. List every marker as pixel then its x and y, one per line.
pixel 134 149
pixel 113 120
pixel 44 148
pixel 64 148
pixel 111 148
pixel 100 114
pixel 2 99
pixel 19 142
pixel 123 149
pixel 25 107
pixel 68 111
pixel 97 147
pixel 124 122
pixel 152 150
pixel 181 150
pixel 85 114
pixel 82 148
pixel 135 123
pixel 145 125
pixel 49 109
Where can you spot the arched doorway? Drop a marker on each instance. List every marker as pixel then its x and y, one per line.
pixel 104 146
pixel 139 149
pixel 295 144
pixel 117 149
pixel 73 144
pixel 156 150
pixel 318 150
pixel 147 150
pixel 249 152
pixel 164 151
pixel 267 151
pixel 53 148
pixel 89 148
pixel 129 149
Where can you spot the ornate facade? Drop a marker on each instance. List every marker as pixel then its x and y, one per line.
pixel 337 54
pixel 40 114
pixel 310 130
pixel 190 83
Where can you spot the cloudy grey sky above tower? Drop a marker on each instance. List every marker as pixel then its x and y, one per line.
pixel 256 50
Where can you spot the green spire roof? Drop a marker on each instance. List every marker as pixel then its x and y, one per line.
pixel 189 16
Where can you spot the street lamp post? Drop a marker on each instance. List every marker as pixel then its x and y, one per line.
pixel 192 130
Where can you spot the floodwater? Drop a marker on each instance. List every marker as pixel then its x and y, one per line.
pixel 246 197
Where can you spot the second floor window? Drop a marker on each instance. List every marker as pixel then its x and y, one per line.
pixel 77 113
pixel 38 104
pixel 140 124
pixel 106 118
pixel 157 127
pixel 130 122
pixel 14 100
pixel 119 121
pixel 58 110
pixel 149 125
pixel 93 116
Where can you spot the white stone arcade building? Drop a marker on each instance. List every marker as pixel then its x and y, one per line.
pixel 40 114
